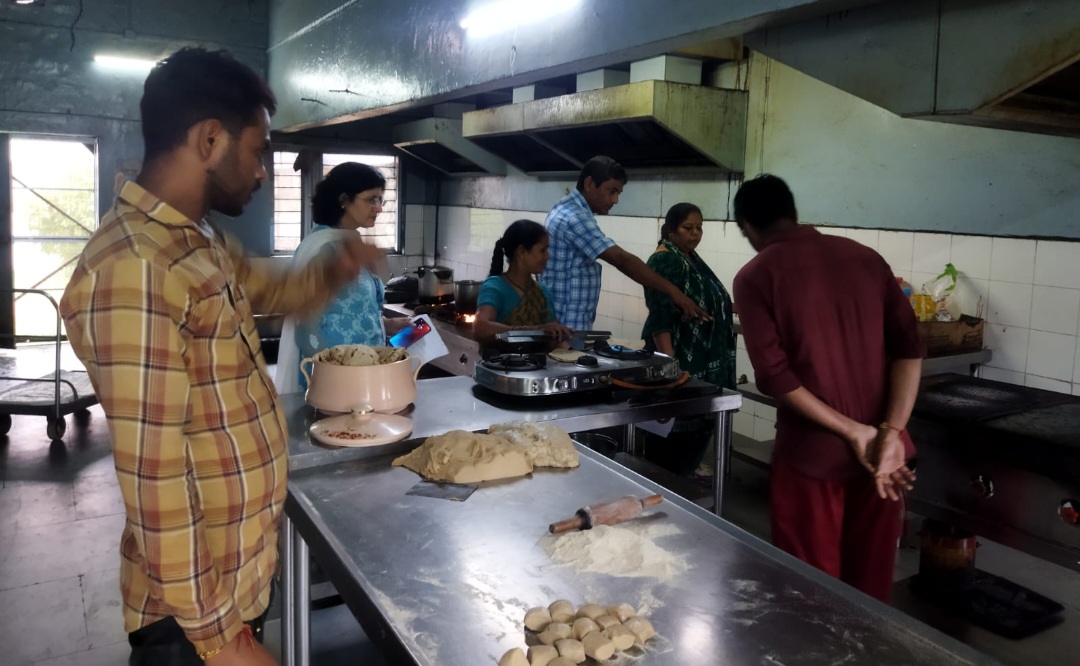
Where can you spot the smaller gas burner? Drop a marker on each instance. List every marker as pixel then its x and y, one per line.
pixel 449 313
pixel 622 353
pixel 516 362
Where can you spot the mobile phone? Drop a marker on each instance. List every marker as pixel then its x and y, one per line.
pixel 412 332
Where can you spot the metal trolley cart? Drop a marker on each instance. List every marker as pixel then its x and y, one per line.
pixel 52 396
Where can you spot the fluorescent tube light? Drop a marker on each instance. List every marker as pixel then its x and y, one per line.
pixel 122 63
pixel 503 15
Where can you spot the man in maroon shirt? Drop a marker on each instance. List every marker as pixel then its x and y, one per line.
pixel 833 339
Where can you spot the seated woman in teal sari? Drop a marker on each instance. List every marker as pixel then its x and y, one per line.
pixel 514 299
pixel 705 348
pixel 348 199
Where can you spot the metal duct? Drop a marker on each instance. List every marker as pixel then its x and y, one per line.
pixel 993 63
pixel 645 126
pixel 438 142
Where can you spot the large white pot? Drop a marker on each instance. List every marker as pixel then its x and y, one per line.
pixel 387 388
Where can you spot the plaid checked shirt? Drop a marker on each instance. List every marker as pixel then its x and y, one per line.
pixel 573 273
pixel 158 310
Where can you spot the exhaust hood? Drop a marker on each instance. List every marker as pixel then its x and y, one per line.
pixel 1002 64
pixel 438 142
pixel 652 125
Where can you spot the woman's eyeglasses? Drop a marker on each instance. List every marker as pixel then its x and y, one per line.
pixel 374 202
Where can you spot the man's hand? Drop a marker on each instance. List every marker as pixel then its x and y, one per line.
pixel 243 651
pixel 861 437
pixel 351 256
pixel 689 308
pixel 891 472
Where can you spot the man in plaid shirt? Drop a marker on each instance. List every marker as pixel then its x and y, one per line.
pixel 573 272
pixel 159 309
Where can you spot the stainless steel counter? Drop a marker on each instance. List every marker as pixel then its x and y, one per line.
pixel 448 583
pixel 454 403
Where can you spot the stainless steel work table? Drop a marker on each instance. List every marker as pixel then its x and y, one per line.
pixel 456 403
pixel 436 582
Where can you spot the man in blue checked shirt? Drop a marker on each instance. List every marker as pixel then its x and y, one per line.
pixel 573 272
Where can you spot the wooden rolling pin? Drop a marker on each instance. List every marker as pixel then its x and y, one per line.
pixel 605 513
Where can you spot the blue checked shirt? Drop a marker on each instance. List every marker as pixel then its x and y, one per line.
pixel 573 273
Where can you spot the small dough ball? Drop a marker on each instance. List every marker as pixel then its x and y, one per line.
pixel 598 646
pixel 622 637
pixel 549 637
pixel 605 621
pixel 559 628
pixel 514 657
pixel 641 627
pixel 542 655
pixel 537 619
pixel 571 649
pixel 622 611
pixel 591 611
pixel 561 661
pixel 561 611
pixel 583 626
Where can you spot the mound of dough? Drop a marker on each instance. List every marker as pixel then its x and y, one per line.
pixel 466 457
pixel 391 354
pixel 349 355
pixel 546 445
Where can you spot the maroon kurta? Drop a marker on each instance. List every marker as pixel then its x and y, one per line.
pixel 826 313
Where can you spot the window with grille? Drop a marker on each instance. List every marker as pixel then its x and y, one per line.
pixel 288 201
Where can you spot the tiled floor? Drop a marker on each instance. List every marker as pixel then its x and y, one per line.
pixel 61 516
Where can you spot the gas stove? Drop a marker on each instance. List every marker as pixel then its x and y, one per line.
pixel 537 374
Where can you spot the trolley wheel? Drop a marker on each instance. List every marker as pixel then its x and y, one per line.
pixel 5 424
pixel 82 416
pixel 56 428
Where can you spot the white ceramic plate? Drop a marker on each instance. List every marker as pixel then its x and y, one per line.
pixel 361 429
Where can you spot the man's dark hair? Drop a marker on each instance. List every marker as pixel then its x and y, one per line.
pixel 601 169
pixel 763 201
pixel 193 85
pixel 348 179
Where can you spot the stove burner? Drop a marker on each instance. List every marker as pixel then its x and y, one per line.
pixel 622 353
pixel 450 314
pixel 516 362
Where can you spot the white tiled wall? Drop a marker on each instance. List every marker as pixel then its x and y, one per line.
pixel 1028 291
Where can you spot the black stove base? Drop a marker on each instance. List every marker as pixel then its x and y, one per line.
pixel 991 602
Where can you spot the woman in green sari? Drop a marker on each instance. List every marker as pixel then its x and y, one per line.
pixel 704 348
pixel 514 299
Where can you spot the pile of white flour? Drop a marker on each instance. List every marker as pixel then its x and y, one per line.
pixel 617 551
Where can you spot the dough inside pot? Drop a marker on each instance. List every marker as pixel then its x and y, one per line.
pixel 466 457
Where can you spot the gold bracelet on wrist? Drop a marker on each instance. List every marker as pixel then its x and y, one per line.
pixel 211 653
pixel 887 426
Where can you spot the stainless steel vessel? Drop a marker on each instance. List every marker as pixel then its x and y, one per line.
pixel 465 294
pixel 436 284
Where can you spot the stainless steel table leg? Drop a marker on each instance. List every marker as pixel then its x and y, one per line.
pixel 288 593
pixel 630 444
pixel 722 437
pixel 302 596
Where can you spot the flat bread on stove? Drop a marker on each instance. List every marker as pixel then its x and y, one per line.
pixel 566 355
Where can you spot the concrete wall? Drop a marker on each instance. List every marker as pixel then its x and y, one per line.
pixel 342 59
pixel 851 163
pixel 49 83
